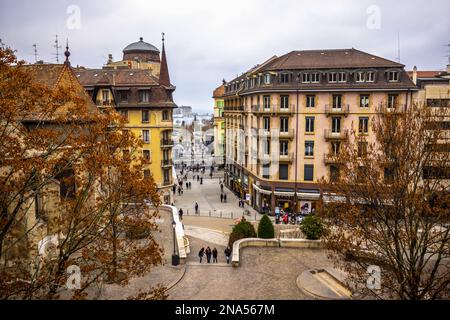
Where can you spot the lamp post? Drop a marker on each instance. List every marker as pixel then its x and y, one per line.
pixel 175 257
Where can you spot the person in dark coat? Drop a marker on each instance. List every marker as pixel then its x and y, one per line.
pixel 228 254
pixel 221 187
pixel 201 253
pixel 198 178
pixel 180 213
pixel 221 197
pixel 224 197
pixel 208 254
pixel 187 185
pixel 174 189
pixel 214 254
pixel 201 180
pixel 196 207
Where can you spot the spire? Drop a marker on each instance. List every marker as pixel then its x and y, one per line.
pixel 67 54
pixel 164 78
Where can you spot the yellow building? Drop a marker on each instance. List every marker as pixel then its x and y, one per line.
pixel 219 126
pixel 286 118
pixel 139 88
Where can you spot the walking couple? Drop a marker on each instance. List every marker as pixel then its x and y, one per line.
pixel 208 252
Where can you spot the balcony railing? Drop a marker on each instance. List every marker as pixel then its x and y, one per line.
pixel 234 109
pixel 166 163
pixel 287 157
pixel 262 110
pixel 290 134
pixel 104 103
pixel 290 109
pixel 167 143
pixel 399 108
pixel 330 158
pixel 330 135
pixel 165 183
pixel 332 110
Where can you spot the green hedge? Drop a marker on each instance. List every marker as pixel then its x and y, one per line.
pixel 312 227
pixel 265 228
pixel 243 229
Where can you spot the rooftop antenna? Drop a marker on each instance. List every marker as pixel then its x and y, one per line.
pixel 398 47
pixel 35 53
pixel 57 46
pixel 447 56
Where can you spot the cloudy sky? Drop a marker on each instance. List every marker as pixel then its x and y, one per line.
pixel 209 40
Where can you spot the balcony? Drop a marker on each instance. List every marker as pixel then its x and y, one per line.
pixel 104 103
pixel 330 158
pixel 167 143
pixel 343 110
pixel 329 135
pixel 289 110
pixel 263 157
pixel 290 134
pixel 234 109
pixel 397 109
pixel 287 157
pixel 165 183
pixel 261 110
pixel 166 163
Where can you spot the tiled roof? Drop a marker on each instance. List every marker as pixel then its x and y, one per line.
pixel 116 77
pixel 47 74
pixel 426 74
pixel 219 92
pixel 325 59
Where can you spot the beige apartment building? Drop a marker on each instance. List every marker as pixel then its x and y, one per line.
pixel 286 118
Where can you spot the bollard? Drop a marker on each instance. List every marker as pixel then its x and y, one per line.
pixel 232 215
pixel 221 214
pixel 210 213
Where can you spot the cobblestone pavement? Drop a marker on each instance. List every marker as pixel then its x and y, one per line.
pixel 265 273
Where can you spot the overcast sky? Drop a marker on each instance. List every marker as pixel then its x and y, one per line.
pixel 208 40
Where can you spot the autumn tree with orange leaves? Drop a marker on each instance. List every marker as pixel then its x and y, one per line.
pixel 388 204
pixel 63 178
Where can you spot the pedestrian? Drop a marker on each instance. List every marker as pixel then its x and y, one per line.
pixel 198 178
pixel 187 185
pixel 211 174
pixel 224 197
pixel 201 180
pixel 208 254
pixel 180 213
pixel 221 197
pixel 196 208
pixel 179 191
pixel 221 187
pixel 228 254
pixel 201 253
pixel 214 254
pixel 190 186
pixel 174 189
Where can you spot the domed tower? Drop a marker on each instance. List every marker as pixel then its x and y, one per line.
pixel 141 51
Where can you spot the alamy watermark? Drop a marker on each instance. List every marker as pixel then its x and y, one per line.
pixel 374 280
pixel 73 21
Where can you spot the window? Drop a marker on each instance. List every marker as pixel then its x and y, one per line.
pixel 309 148
pixel 393 76
pixel 332 77
pixel 124 114
pixel 363 125
pixel 166 115
pixel 266 102
pixel 266 146
pixel 284 124
pixel 364 100
pixel 360 76
pixel 145 116
pixel 306 78
pixel 167 173
pixel 284 78
pixel 266 171
pixel 105 95
pixel 266 121
pixel 342 77
pixel 335 124
pixel 146 174
pixel 146 136
pixel 309 124
pixel 335 147
pixel 315 77
pixel 146 155
pixel 284 102
pixel 123 95
pixel 252 82
pixel 337 101
pixel 309 172
pixel 310 101
pixel 284 148
pixel 267 78
pixel 371 76
pixel 334 173
pixel 392 100
pixel 144 96
pixel 283 172
pixel 362 149
pixel 66 180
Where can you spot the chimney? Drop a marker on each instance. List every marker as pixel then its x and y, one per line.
pixel 448 68
pixel 414 79
pixel 110 58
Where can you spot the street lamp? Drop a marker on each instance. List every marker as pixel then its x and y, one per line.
pixel 175 257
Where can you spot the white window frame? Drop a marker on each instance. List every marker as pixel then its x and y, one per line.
pixel 267 78
pixel 146 136
pixel 284 101
pixel 315 77
pixel 309 98
pixel 342 77
pixel 332 77
pixel 366 105
pixel 370 76
pixel 360 76
pixel 306 78
pixel 309 148
pixel 393 76
pixel 310 122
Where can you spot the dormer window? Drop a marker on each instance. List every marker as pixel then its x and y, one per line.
pixel 342 77
pixel 360 76
pixel 371 76
pixel 267 78
pixel 393 76
pixel 315 77
pixel 144 95
pixel 284 78
pixel 306 77
pixel 332 77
